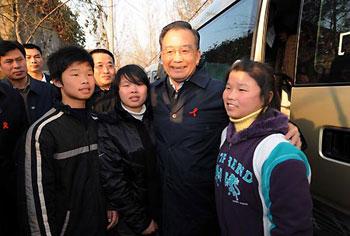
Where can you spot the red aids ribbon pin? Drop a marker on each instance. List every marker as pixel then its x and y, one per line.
pixel 193 113
pixel 5 125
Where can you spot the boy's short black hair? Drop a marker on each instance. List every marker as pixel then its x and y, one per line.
pixel 60 60
pixel 7 45
pixel 102 50
pixel 32 46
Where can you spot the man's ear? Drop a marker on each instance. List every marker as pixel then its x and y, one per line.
pixel 198 57
pixel 57 83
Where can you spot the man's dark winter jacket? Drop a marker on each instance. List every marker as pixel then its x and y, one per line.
pixel 41 98
pixel 62 187
pixel 101 101
pixel 12 124
pixel 128 166
pixel 188 136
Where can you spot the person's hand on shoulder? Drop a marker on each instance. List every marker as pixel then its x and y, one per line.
pixel 153 227
pixel 113 218
pixel 293 135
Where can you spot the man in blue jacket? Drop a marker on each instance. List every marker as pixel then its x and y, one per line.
pixel 38 96
pixel 189 116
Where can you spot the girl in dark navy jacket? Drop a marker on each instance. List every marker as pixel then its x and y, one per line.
pixel 262 181
pixel 127 154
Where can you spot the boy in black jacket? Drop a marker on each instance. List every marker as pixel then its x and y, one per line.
pixel 63 193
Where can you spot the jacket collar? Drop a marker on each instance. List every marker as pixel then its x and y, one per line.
pixel 118 113
pixel 3 97
pixel 271 121
pixel 97 89
pixel 7 82
pixel 200 78
pixel 34 85
pixel 82 114
pixel 2 90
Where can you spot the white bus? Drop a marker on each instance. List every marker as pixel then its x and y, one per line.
pixel 308 44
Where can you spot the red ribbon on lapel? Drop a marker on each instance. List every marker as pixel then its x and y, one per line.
pixel 194 112
pixel 5 125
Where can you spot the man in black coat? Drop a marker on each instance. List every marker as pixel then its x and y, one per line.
pixel 104 74
pixel 12 124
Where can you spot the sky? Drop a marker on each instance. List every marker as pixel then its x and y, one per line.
pixel 131 18
pixel 140 22
pixel 135 23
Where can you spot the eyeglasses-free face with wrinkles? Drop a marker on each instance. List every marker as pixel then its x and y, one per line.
pixel 179 54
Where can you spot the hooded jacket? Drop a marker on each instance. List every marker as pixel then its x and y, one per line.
pixel 261 181
pixel 128 166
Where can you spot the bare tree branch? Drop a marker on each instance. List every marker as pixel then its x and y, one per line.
pixel 6 17
pixel 5 5
pixel 44 18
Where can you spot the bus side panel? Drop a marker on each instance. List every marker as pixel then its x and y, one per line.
pixel 312 109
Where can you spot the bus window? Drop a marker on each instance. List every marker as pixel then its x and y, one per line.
pixel 281 39
pixel 324 48
pixel 281 46
pixel 228 37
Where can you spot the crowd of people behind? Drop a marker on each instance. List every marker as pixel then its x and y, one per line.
pixel 88 150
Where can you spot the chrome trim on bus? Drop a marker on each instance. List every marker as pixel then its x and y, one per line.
pixel 320 149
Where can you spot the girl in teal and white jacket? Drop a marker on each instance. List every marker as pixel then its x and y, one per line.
pixel 262 181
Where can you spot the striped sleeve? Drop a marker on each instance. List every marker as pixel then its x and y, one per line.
pixel 39 176
pixel 278 166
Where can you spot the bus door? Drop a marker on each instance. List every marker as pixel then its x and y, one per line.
pixel 308 43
